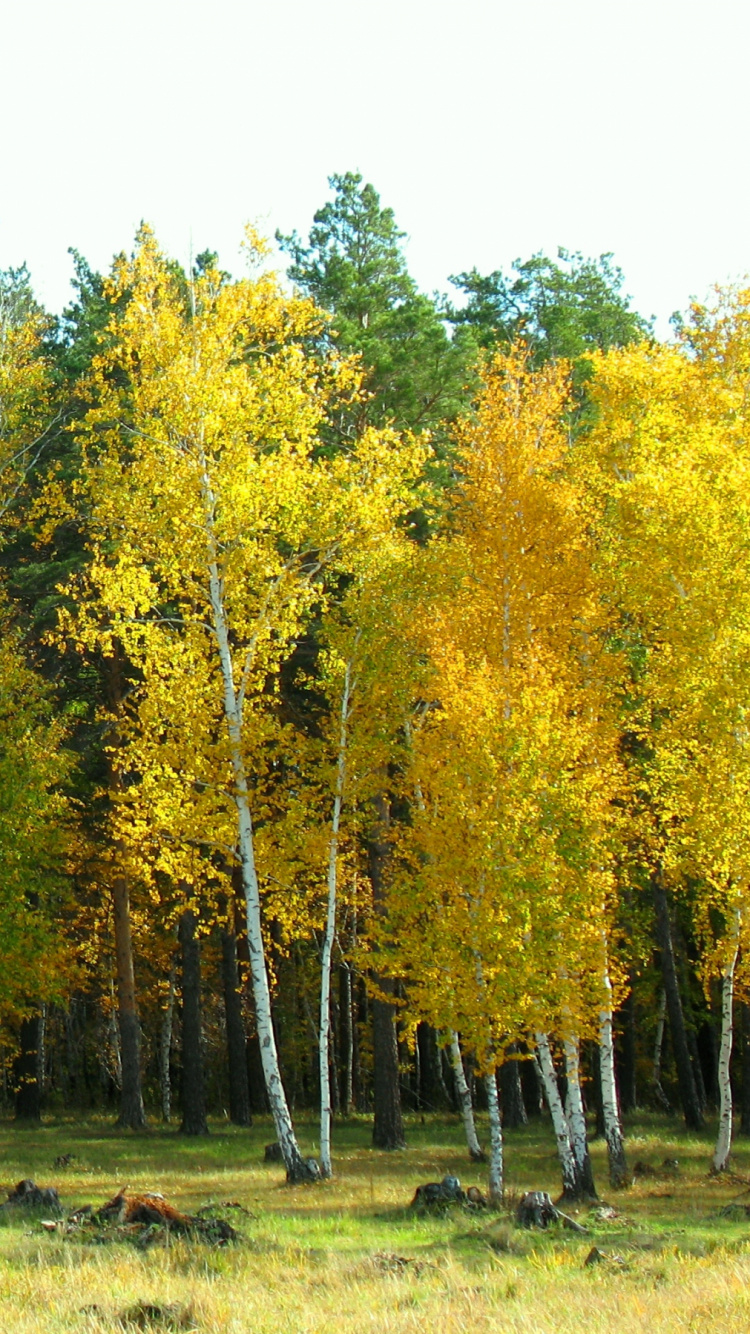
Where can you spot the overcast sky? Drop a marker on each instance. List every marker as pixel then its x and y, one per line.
pixel 494 128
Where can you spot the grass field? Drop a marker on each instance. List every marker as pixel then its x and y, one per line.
pixel 331 1257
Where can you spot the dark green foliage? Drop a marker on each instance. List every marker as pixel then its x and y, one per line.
pixel 17 300
pixel 563 308
pixel 353 266
pixel 82 323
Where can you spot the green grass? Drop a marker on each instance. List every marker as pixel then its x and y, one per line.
pixel 314 1258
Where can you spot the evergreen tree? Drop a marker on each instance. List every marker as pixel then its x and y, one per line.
pixel 564 308
pixel 353 266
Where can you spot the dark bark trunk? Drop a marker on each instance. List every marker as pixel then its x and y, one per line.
pixel 132 1113
pixel 596 1086
pixel 28 1098
pixel 193 1094
pixel 239 1089
pixel 708 1053
pixel 415 1081
pixel 432 1092
pixel 388 1127
pixel 691 1108
pixel 361 1010
pixel 533 1092
pixel 449 1082
pixel 695 1059
pixel 627 1064
pixel 511 1092
pixel 682 967
pixel 347 1038
pixel 745 1115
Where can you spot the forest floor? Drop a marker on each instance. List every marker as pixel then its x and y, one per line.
pixel 349 1255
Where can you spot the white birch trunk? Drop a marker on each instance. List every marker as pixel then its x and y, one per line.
pixel 574 1105
pixel 557 1112
pixel 326 1168
pixel 495 1190
pixel 618 1166
pixel 463 1094
pixel 724 1139
pixel 295 1166
pixel 165 1048
pixel 577 1119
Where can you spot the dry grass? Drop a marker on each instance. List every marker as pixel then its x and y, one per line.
pixel 322 1258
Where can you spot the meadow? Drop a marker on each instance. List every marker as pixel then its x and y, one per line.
pixel 350 1255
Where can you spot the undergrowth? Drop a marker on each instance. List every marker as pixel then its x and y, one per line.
pixel 349 1254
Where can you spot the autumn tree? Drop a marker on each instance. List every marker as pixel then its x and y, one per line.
pixel 213 517
pixel 668 463
pixel 499 923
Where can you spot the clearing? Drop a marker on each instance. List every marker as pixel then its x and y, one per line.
pixel 349 1255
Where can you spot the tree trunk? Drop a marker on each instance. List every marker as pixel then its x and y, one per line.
pixel 514 1111
pixel 253 1060
pixel 619 1175
pixel 724 1137
pixel 495 1190
pixel 432 1093
pixel 239 1087
pixel 132 1113
pixel 577 1120
pixel 165 1048
pixel 570 1182
pixel 594 1055
pixel 656 1083
pixel 296 1168
pixel 695 1057
pixel 745 1118
pixel 193 1093
pixel 532 1086
pixel 324 1031
pixel 347 1037
pixel 463 1097
pixel 388 1126
pixel 28 1097
pixel 688 1093
pixel 628 1086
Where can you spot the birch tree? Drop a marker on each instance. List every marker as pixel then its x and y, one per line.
pixel 213 517
pixel 515 755
pixel 670 458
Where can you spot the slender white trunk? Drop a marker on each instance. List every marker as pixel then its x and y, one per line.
pixel 165 1048
pixel 463 1094
pixel 724 1138
pixel 329 937
pixel 293 1161
pixel 496 1140
pixel 659 1039
pixel 577 1118
pixel 559 1120
pixel 618 1166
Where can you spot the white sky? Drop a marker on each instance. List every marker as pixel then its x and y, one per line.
pixel 494 128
